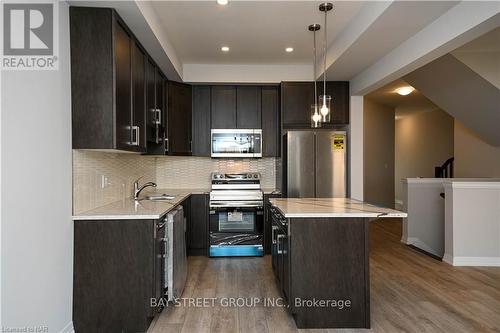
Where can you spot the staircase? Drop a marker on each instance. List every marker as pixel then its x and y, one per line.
pixel 445 170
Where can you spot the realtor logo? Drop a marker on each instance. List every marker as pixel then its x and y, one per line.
pixel 29 36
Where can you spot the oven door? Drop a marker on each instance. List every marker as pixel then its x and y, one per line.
pixel 236 231
pixel 236 143
pixel 236 219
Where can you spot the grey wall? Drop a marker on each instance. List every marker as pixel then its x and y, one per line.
pixel 474 157
pixel 423 141
pixel 37 232
pixel 461 92
pixel 378 153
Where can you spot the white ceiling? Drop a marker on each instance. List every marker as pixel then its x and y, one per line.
pixel 256 31
pixel 399 22
pixel 404 105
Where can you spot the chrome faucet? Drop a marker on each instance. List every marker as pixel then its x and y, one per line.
pixel 138 189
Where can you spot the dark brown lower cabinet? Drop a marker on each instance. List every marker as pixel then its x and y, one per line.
pixel 118 274
pixel 198 225
pixel 322 270
pixel 268 221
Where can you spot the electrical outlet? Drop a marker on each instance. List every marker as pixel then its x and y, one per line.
pixel 104 181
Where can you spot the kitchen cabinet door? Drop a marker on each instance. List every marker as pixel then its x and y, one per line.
pixel 157 110
pixel 270 122
pixel 274 249
pixel 198 225
pixel 160 82
pixel 139 94
pixel 223 107
pixel 296 101
pixel 340 104
pixel 151 101
pixel 248 107
pixel 268 221
pixel 179 118
pixel 201 121
pixel 124 135
pixel 110 257
pixel 108 82
pixel 285 257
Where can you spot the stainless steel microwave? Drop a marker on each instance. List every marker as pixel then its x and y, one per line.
pixel 236 143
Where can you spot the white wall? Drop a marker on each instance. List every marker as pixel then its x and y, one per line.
pixel 356 148
pixel 424 140
pixel 246 73
pixel 37 231
pixel 474 157
pixel 472 223
pixel 378 153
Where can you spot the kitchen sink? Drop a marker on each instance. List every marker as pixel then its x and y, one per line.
pixel 160 197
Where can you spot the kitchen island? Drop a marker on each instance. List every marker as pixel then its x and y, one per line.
pixel 320 257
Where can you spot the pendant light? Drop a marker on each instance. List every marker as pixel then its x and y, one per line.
pixel 325 100
pixel 315 115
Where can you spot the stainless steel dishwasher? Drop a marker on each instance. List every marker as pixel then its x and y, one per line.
pixel 175 254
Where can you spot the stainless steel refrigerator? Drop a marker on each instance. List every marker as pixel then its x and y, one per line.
pixel 315 164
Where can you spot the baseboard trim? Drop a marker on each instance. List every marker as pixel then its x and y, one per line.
pixel 472 261
pixel 416 243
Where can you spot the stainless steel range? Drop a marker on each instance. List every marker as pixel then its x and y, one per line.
pixel 236 215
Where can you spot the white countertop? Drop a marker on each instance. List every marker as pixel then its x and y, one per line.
pixel 130 209
pixel 331 207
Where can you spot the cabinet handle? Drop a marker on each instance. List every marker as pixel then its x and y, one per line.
pixel 165 247
pixel 135 135
pixel 166 145
pixel 273 229
pixel 190 146
pixel 158 117
pixel 280 236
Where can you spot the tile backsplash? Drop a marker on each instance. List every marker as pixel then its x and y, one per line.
pixel 121 169
pixel 194 172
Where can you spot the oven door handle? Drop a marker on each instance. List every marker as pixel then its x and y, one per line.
pixel 236 204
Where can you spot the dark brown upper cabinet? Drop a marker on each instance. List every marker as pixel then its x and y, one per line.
pixel 297 98
pixel 339 91
pixel 138 59
pixel 223 107
pixel 107 77
pixel 157 113
pixel 296 101
pixel 270 121
pixel 201 120
pixel 179 118
pixel 248 107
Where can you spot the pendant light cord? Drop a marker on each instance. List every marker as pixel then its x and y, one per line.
pixel 324 63
pixel 314 68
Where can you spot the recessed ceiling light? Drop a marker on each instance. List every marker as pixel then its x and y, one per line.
pixel 225 49
pixel 222 2
pixel 289 49
pixel 403 91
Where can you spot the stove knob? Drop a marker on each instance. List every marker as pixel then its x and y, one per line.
pixel 249 175
pixel 256 175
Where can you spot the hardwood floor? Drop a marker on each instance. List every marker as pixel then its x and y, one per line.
pixel 410 292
